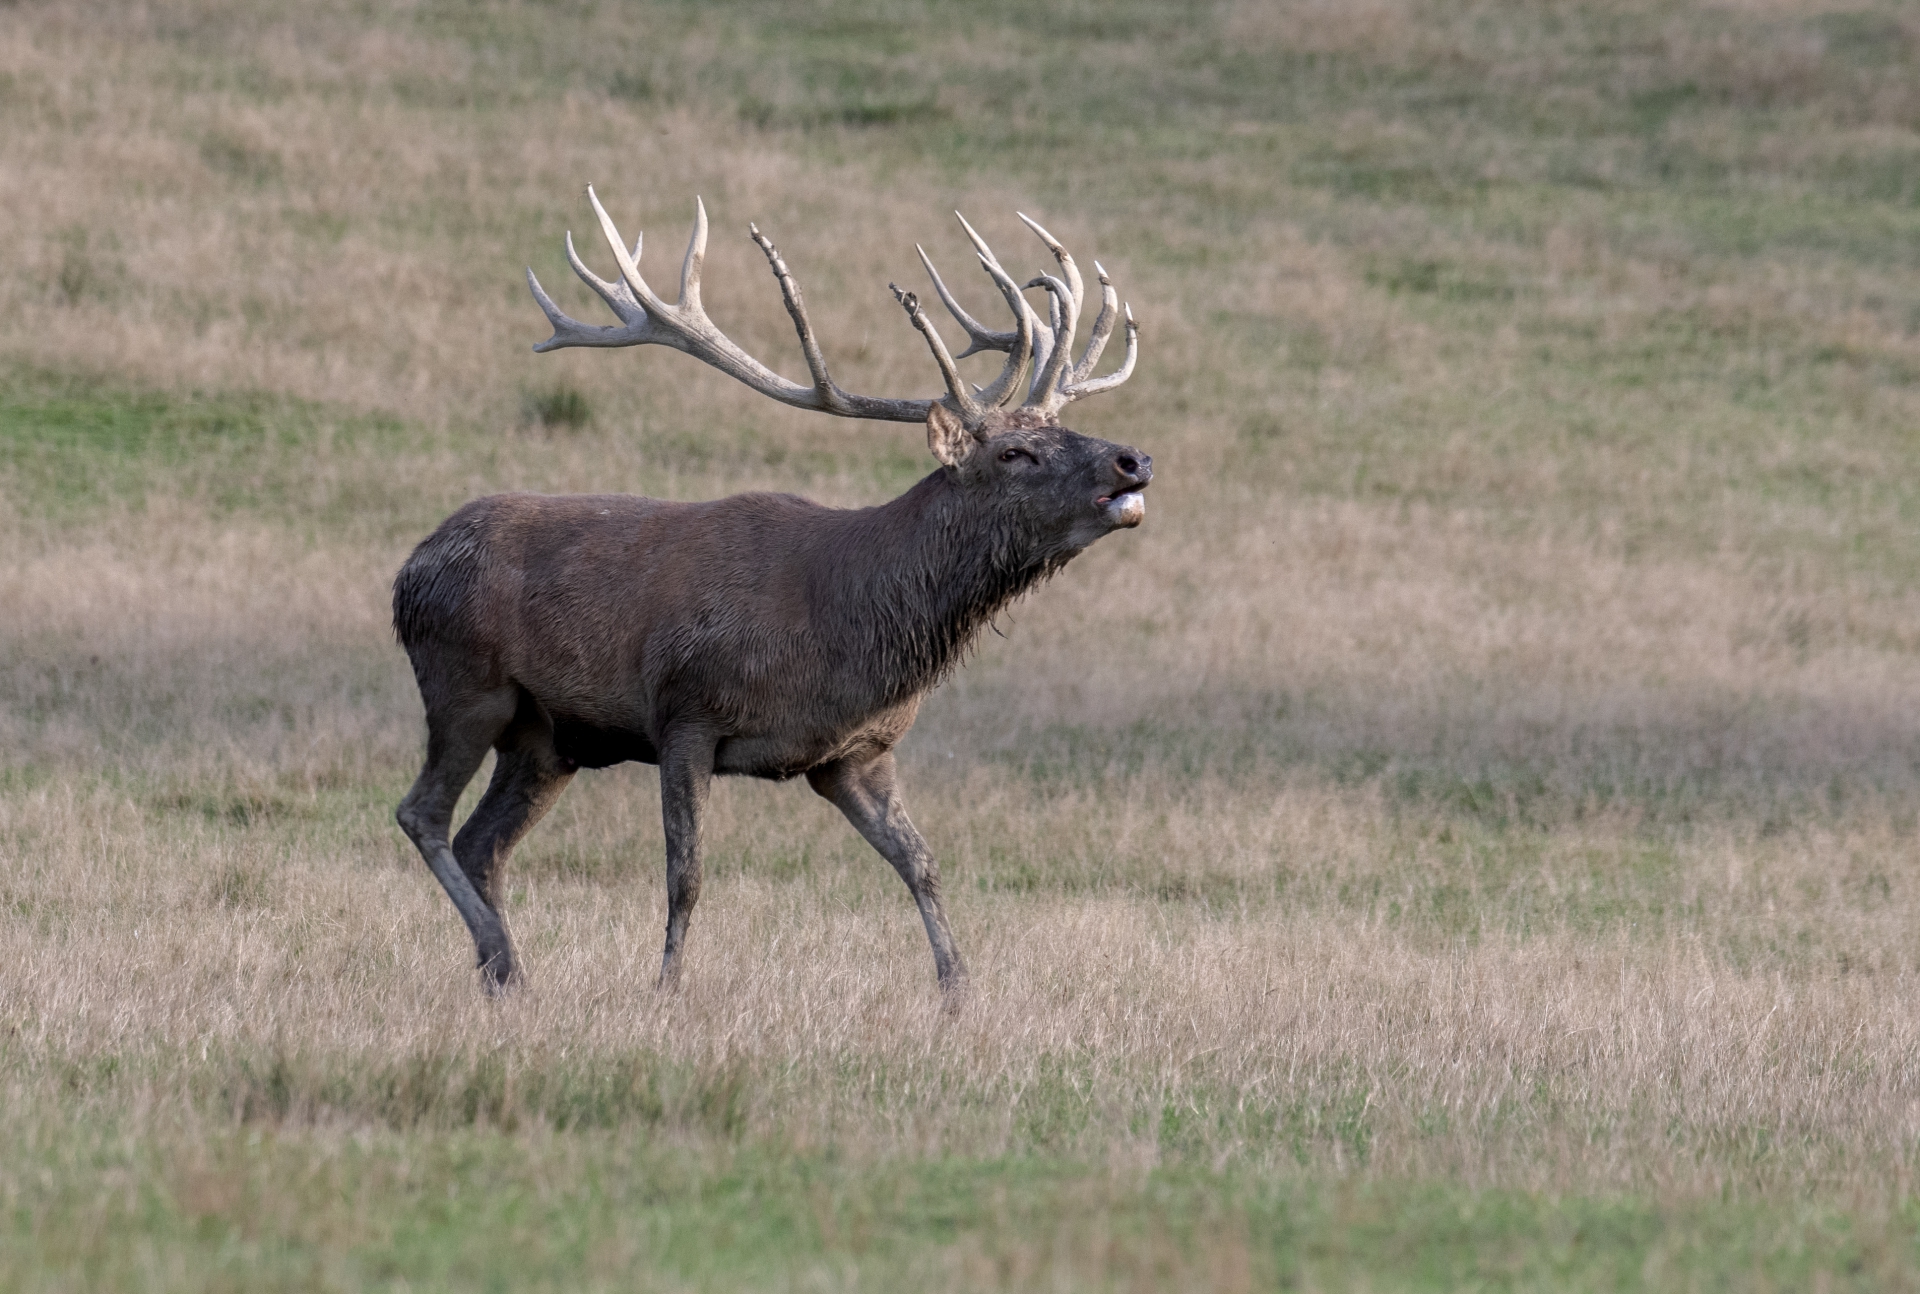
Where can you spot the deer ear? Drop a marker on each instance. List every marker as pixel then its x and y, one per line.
pixel 947 436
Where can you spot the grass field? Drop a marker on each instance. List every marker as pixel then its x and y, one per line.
pixel 1468 838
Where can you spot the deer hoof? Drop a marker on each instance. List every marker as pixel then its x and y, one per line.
pixel 499 977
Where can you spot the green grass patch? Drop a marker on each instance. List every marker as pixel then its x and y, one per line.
pixel 69 448
pixel 298 1210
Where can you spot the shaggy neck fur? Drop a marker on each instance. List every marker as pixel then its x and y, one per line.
pixel 918 578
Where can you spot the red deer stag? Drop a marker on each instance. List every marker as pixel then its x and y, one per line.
pixel 760 634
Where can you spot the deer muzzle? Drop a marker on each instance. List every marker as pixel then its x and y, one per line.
pixel 1126 506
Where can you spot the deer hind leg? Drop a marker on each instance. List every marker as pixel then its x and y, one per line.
pixel 869 795
pixel 528 777
pixel 458 738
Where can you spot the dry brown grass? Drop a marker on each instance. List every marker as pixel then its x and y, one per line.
pixel 1682 1071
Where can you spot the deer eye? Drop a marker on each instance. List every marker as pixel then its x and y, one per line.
pixel 1008 455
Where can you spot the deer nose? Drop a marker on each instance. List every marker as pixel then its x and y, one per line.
pixel 1136 467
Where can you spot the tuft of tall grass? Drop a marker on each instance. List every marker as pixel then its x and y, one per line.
pixel 562 406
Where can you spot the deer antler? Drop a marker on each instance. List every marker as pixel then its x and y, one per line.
pixel 1056 382
pixel 646 319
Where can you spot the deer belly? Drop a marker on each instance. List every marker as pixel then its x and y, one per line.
pixel 774 758
pixel 590 745
pixel 778 756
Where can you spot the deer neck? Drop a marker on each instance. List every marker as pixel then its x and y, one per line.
pixel 937 566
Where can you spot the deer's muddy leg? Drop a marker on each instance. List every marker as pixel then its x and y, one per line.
pixel 457 740
pixel 868 794
pixel 686 773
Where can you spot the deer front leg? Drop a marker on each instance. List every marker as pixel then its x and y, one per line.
pixel 686 773
pixel 868 794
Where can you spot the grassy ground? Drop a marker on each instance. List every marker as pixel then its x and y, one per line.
pixel 1467 838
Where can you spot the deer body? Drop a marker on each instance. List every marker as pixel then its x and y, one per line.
pixel 798 633
pixel 759 635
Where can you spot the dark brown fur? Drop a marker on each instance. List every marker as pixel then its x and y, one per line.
pixel 759 634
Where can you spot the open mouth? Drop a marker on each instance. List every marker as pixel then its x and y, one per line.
pixel 1126 507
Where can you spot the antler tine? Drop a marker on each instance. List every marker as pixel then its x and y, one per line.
pixel 981 336
pixel 830 394
pixel 618 296
pixel 986 254
pixel 965 405
pixel 1061 255
pixel 1062 312
pixel 629 264
pixel 696 259
pixel 1002 387
pixel 1119 375
pixel 1102 328
pixel 979 243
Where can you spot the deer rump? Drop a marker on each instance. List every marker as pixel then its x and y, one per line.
pixel 760 634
